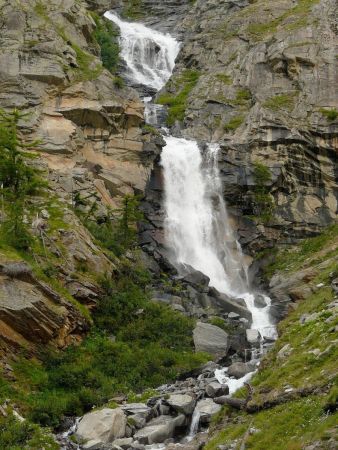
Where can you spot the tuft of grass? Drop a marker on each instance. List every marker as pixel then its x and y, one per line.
pixel 234 123
pixel 86 70
pixel 225 79
pixel 282 101
pixel 178 103
pixel 330 114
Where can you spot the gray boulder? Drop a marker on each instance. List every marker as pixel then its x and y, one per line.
pixel 207 408
pixel 159 429
pixel 215 389
pixel 252 336
pixel 183 403
pixel 211 339
pixel 103 425
pixel 239 369
pixel 123 443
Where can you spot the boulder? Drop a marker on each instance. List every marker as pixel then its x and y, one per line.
pixel 207 408
pixel 196 278
pixel 103 425
pixel 239 369
pixel 252 336
pixel 140 409
pixel 159 429
pixel 183 403
pixel 211 339
pixel 215 389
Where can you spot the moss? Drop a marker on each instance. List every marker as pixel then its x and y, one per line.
pixel 86 69
pixel 263 198
pixel 178 103
pixel 330 114
pixel 234 123
pixel 133 9
pixel 282 101
pixel 294 18
pixel 225 79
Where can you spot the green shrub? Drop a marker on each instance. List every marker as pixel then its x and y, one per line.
pixel 16 435
pixel 178 103
pixel 282 101
pixel 106 35
pixel 330 114
pixel 263 198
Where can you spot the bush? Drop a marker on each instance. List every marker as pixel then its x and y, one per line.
pixel 16 435
pixel 106 35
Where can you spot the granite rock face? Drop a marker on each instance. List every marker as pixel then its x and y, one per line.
pixel 266 92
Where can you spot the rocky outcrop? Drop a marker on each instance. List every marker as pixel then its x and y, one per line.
pixel 33 314
pixel 265 89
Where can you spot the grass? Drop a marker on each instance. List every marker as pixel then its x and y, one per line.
pixel 300 421
pixel 330 114
pixel 296 17
pixel 234 123
pixel 263 199
pixel 177 104
pixel 281 101
pixel 86 70
pixel 294 258
pixel 225 79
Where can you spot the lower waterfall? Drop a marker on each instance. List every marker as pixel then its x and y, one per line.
pixel 197 227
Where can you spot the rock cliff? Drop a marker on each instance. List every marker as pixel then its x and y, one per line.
pixel 260 78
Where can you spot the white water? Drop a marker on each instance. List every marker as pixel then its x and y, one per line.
pixel 149 55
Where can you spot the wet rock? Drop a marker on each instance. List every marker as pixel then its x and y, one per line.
pixel 239 369
pixel 215 389
pixel 211 339
pixel 182 403
pixel 103 425
pixel 196 278
pixel 253 336
pixel 159 429
pixel 207 408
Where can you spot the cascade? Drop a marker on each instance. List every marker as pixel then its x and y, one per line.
pixel 198 230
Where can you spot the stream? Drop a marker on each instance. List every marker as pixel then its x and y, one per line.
pixel 198 232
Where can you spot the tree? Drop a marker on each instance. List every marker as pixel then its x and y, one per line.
pixel 17 179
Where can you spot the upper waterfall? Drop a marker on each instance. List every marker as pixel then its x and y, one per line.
pixel 149 55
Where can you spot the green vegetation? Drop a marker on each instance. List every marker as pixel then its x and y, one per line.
pixel 178 103
pixel 87 69
pixel 225 79
pixel 330 114
pixel 263 199
pixel 309 362
pixel 282 101
pixel 151 130
pixel 136 344
pixel 234 123
pixel 309 250
pixel 18 181
pixel 133 9
pixel 106 35
pixel 296 17
pixel 16 435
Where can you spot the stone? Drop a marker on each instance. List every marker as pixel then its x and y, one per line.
pixel 182 403
pixel 104 425
pixel 239 369
pixel 233 315
pixel 253 336
pixel 141 409
pixel 159 429
pixel 207 408
pixel 196 278
pixel 123 443
pixel 284 351
pixel 211 339
pixel 215 389
pixel 260 301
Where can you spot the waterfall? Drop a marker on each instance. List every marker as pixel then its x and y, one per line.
pixel 197 226
pixel 149 55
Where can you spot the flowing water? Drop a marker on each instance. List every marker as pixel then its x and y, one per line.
pixel 197 227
